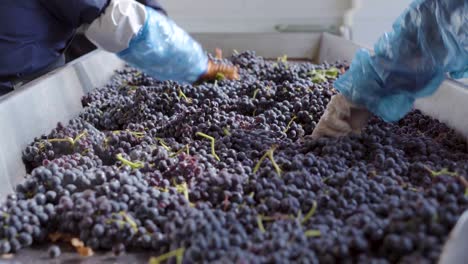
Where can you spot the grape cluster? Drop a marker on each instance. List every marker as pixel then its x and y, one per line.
pixel 224 172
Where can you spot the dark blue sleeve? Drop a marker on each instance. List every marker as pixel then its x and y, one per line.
pixel 78 12
pixel 75 12
pixel 153 4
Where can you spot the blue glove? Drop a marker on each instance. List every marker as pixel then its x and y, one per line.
pixel 428 41
pixel 460 74
pixel 165 51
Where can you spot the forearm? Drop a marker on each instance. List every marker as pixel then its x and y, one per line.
pixel 427 41
pixel 148 40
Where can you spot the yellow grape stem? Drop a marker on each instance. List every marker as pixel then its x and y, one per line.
pixel 220 76
pixel 67 139
pixel 213 141
pixel 129 220
pixel 178 254
pixel 257 166
pixel 163 143
pixel 289 124
pixel 133 165
pixel 313 233
pixel 260 223
pixel 442 172
pixel 255 93
pixel 310 213
pixel 283 59
pixel 269 154
pixel 226 131
pixel 182 94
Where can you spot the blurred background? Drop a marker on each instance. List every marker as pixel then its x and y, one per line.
pixel 362 21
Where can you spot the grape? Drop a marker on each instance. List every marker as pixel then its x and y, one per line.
pixel 54 251
pixel 224 172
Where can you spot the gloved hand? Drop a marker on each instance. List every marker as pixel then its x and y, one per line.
pixel 341 118
pixel 214 70
pixel 428 41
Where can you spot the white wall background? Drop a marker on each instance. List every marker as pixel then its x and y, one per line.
pixel 368 18
pixel 371 18
pixel 253 15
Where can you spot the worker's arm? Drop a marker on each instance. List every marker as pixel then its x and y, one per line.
pixel 428 41
pixel 142 35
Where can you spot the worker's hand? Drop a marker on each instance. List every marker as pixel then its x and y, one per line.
pixel 341 118
pixel 220 70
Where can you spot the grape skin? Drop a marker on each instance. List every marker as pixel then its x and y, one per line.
pixel 123 186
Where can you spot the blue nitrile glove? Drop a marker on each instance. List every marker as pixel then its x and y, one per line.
pixel 165 51
pixel 428 41
pixel 149 40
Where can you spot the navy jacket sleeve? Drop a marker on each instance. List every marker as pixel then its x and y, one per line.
pixel 78 12
pixel 75 12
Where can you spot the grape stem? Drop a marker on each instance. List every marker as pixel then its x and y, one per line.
pixel 163 143
pixel 255 93
pixel 283 59
pixel 134 133
pixel 310 213
pixel 178 254
pixel 185 148
pixel 138 74
pixel 226 131
pixel 445 171
pixel 289 124
pixel 313 233
pixel 69 139
pixel 277 217
pixel 220 76
pixel 182 94
pixel 319 76
pixel 260 223
pixel 133 165
pixel 269 153
pixel 213 141
pixel 129 220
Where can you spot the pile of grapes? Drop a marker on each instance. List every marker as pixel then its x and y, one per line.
pixel 224 172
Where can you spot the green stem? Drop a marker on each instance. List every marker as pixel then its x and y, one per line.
pixel 132 165
pixel 313 233
pixel 289 124
pixel 220 76
pixel 185 148
pixel 178 253
pixel 129 220
pixel 255 93
pixel 226 131
pixel 272 159
pixel 310 213
pixel 444 171
pixel 67 139
pixel 213 141
pixel 260 223
pixel 257 166
pixel 181 94
pixel 269 154
pixel 134 133
pixel 163 143
pixel 283 59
